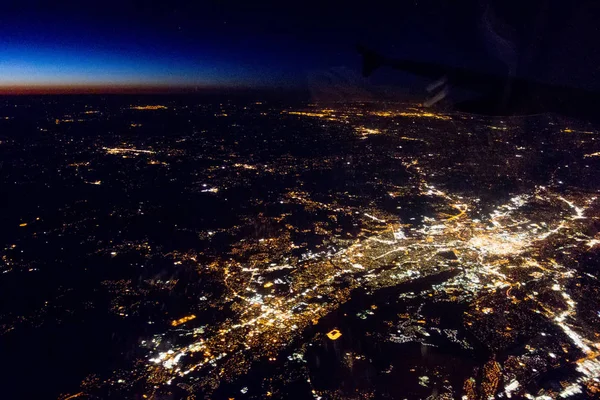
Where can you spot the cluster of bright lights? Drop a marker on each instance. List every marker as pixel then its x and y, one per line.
pixel 270 310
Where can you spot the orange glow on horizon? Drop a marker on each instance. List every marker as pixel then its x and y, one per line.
pixel 108 88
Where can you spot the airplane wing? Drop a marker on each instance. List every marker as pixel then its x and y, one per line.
pixel 457 76
pixel 500 94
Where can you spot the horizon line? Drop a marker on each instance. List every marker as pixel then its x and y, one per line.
pixel 42 89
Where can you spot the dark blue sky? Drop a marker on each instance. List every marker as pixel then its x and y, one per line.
pixel 235 44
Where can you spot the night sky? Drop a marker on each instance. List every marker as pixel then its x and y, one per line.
pixel 175 44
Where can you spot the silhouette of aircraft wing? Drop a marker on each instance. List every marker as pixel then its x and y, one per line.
pixel 500 95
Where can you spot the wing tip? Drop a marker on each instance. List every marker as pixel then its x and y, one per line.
pixel 371 60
